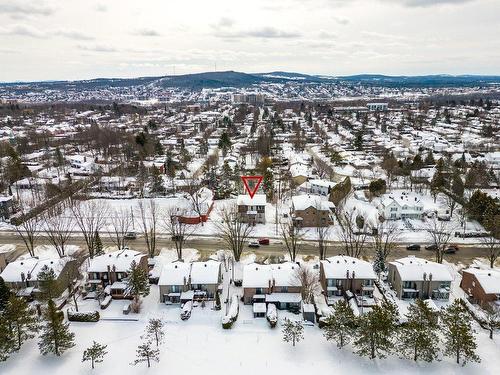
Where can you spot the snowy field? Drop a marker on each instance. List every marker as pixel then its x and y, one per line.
pixel 200 345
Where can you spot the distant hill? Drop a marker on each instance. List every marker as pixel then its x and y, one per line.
pixel 199 81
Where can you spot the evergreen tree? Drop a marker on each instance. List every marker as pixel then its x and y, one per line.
pixel 145 353
pixel 341 325
pixel 375 335
pixel 56 337
pixel 95 353
pixel 4 294
pixel 6 339
pixel 47 283
pixel 418 337
pixel 459 340
pixel 157 186
pixel 22 321
pixel 429 159
pixel 292 331
pixel 98 248
pixel 457 185
pixel 137 283
pixel 155 331
pixel 379 262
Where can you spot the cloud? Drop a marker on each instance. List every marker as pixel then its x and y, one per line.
pixel 326 35
pixel 101 8
pixel 225 29
pixel 341 20
pixel 15 8
pixel 23 30
pixel 96 48
pixel 146 32
pixel 73 34
pixel 429 3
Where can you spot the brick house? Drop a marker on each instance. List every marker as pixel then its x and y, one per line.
pixel 110 271
pixel 482 285
pixel 252 210
pixel 341 274
pixel 311 211
pixel 413 278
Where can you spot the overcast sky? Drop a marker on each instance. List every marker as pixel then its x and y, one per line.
pixel 79 39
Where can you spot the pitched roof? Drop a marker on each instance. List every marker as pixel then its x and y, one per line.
pixel 338 267
pixel 412 268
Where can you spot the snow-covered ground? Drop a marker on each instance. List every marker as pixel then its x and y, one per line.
pixel 201 345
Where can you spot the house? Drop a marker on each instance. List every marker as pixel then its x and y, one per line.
pixel 252 210
pixel 22 274
pixel 311 211
pixel 341 274
pixel 5 207
pixel 318 187
pixel 401 206
pixel 413 277
pixel 174 280
pixel 110 271
pixel 377 106
pixel 205 278
pixel 482 285
pixel 275 283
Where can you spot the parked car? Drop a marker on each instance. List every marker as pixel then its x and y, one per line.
pixel 263 241
pixel 431 247
pixel 130 236
pixel 253 244
pixel 413 247
pixel 452 249
pixel 186 310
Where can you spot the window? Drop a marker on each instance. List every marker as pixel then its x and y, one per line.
pixel 409 285
pixel 258 291
pixel 284 289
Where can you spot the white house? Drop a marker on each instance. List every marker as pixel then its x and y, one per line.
pixel 401 206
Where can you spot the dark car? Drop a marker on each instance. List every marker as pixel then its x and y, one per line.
pixel 452 249
pixel 431 247
pixel 263 241
pixel 413 247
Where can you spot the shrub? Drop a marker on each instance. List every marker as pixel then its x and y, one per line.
pixel 88 316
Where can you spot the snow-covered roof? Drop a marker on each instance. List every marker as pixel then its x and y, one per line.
pixel 284 274
pixel 303 202
pixel 176 273
pixel 257 200
pixel 31 267
pixel 338 267
pixel 488 279
pixel 412 268
pixel 120 260
pixel 205 272
pixel 257 276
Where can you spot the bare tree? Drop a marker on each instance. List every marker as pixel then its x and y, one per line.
pixel 308 279
pixel 291 236
pixel 439 235
pixel 492 247
pixel 121 222
pixel 198 199
pixel 28 230
pixel 451 203
pixel 233 231
pixel 90 217
pixel 178 230
pixel 322 218
pixel 385 238
pixel 352 237
pixel 58 230
pixel 149 214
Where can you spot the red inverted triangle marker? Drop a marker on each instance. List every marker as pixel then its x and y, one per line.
pixel 251 191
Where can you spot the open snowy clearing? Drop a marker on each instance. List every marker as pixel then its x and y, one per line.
pixel 201 345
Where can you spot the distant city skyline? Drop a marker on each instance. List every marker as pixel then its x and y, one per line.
pixel 70 40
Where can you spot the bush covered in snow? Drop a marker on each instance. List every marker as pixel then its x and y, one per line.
pixel 232 315
pixel 88 316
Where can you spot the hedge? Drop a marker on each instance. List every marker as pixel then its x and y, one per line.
pixel 89 316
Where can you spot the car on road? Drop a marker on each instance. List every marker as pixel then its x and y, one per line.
pixel 413 247
pixel 263 241
pixel 130 236
pixel 452 249
pixel 432 247
pixel 253 244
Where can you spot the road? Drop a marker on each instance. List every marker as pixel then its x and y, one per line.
pixel 208 245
